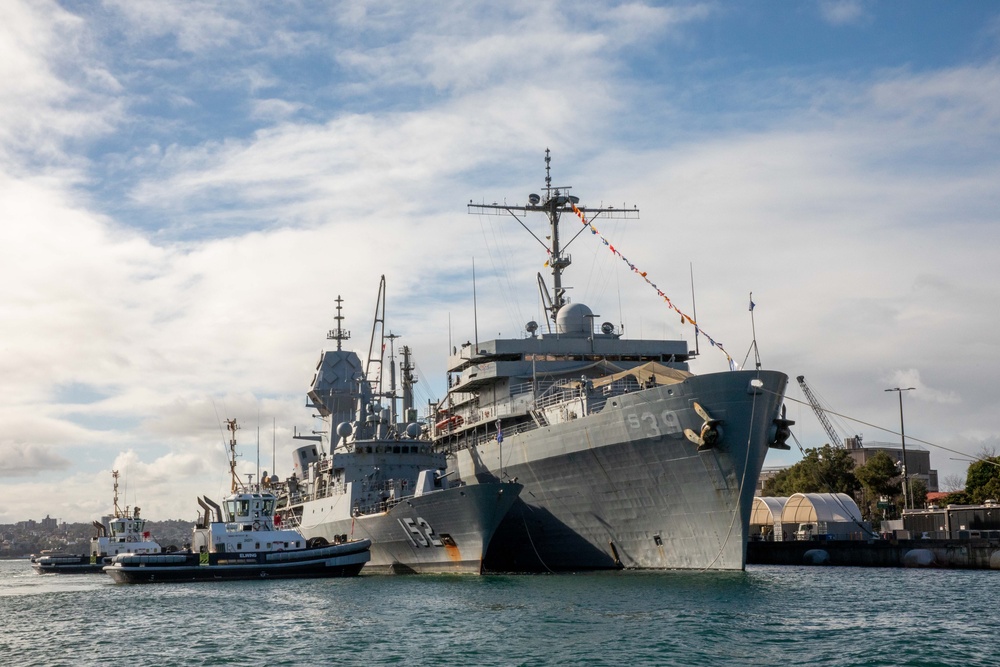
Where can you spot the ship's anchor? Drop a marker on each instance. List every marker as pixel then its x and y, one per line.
pixel 780 432
pixel 711 431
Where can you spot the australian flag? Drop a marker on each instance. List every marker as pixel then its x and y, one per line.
pixel 752 304
pixel 499 432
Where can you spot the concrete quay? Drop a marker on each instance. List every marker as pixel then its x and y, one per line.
pixel 982 554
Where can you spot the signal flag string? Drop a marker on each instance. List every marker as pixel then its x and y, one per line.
pixel 642 274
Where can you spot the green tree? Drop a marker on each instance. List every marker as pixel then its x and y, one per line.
pixel 955 498
pixel 879 478
pixel 919 490
pixel 982 481
pixel 823 470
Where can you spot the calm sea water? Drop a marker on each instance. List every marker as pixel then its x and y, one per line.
pixel 764 616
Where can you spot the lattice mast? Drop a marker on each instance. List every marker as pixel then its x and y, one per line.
pixel 553 204
pixel 235 483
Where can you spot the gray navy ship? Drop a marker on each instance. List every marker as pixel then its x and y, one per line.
pixel 372 473
pixel 627 459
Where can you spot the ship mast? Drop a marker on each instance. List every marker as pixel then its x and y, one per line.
pixel 391 394
pixel 556 201
pixel 118 512
pixel 378 328
pixel 409 379
pixel 339 334
pixel 235 480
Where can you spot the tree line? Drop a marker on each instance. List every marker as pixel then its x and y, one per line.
pixel 877 486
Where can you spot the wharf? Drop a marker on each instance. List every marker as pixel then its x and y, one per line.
pixel 981 554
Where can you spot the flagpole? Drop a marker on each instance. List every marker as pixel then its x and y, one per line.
pixel 694 311
pixel 500 446
pixel 753 330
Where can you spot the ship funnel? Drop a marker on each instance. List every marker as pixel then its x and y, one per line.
pixel 207 518
pixel 219 517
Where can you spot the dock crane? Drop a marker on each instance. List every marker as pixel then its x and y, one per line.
pixel 835 439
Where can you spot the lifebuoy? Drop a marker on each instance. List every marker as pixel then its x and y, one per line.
pixel 256 525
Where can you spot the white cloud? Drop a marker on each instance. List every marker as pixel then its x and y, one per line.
pixel 18 459
pixel 909 378
pixel 196 25
pixel 843 12
pixel 51 89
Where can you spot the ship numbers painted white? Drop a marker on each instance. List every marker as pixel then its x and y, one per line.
pixel 419 532
pixel 650 426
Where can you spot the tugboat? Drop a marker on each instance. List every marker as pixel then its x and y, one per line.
pixel 382 479
pixel 125 533
pixel 243 542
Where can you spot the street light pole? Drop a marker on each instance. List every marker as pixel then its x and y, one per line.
pixel 907 492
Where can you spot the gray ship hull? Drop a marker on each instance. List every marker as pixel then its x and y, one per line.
pixel 446 531
pixel 625 488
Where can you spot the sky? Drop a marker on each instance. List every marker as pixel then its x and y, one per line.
pixel 186 188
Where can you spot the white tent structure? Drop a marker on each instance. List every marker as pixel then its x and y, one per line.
pixel 833 514
pixel 803 507
pixel 765 517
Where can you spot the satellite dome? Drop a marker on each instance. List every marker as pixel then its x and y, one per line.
pixel 574 318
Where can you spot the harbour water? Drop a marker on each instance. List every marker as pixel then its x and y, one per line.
pixel 767 615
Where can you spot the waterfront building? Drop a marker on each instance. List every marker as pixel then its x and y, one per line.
pixel 918 459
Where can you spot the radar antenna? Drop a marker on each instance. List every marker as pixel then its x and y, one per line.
pixel 555 202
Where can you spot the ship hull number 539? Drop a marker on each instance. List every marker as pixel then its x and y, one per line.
pixel 652 426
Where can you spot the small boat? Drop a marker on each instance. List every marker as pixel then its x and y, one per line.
pixel 243 542
pixel 125 532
